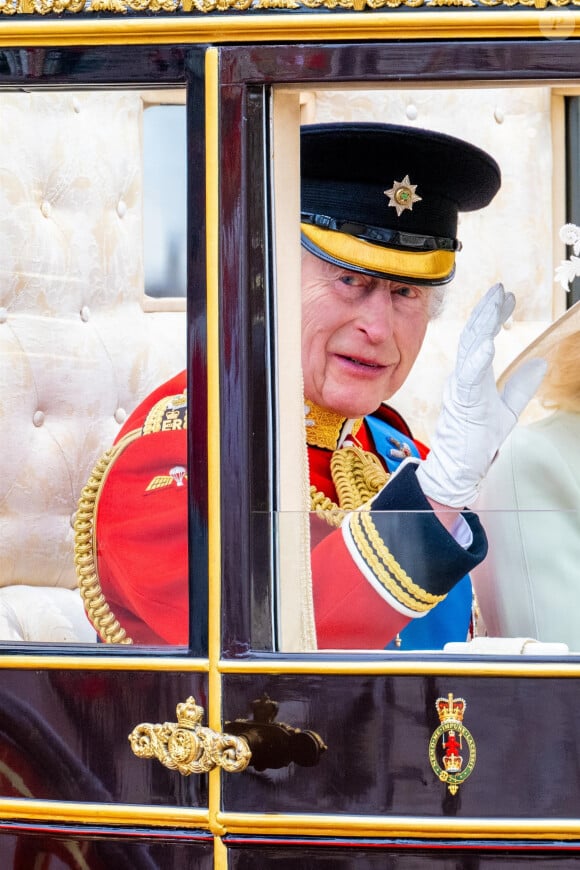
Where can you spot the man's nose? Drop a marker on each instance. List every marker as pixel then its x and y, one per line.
pixel 376 316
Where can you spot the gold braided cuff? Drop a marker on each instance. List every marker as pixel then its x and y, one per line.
pixel 385 569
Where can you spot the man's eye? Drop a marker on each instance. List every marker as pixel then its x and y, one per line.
pixel 352 280
pixel 407 290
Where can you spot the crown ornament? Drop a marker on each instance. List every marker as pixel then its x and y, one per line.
pixel 450 709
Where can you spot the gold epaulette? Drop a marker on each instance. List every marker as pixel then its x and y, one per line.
pixel 167 414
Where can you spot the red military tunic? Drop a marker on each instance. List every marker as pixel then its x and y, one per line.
pixel 140 538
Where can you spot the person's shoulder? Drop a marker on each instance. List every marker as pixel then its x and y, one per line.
pixel 537 465
pixel 565 422
pixel 543 439
pixel 175 386
pixel 555 438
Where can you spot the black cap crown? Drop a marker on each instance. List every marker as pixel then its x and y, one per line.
pixel 384 199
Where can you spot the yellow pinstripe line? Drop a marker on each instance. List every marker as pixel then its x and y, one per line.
pixel 213 416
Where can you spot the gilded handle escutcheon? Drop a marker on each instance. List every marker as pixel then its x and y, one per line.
pixel 188 746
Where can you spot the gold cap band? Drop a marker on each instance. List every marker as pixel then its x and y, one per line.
pixel 433 267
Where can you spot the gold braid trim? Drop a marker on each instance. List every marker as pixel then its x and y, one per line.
pixel 399 572
pixel 96 605
pixel 357 476
pixel 325 508
pixel 384 566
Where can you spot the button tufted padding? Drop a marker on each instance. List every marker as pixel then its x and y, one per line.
pixel 66 165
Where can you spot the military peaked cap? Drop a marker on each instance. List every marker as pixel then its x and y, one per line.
pixel 384 199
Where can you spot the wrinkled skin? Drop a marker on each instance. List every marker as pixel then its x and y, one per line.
pixel 360 336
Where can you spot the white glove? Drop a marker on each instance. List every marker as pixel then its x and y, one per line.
pixel 475 419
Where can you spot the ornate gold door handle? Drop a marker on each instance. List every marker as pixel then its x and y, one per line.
pixel 190 747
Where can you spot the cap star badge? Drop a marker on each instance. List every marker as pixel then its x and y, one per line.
pixel 402 195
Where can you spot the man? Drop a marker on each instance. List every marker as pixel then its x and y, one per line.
pixel 379 219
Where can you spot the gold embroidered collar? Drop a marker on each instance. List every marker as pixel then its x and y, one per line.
pixel 324 428
pixel 168 413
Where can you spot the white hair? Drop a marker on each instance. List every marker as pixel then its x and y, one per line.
pixel 436 301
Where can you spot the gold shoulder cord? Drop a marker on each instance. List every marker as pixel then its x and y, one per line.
pixel 169 413
pixel 96 604
pixel 357 476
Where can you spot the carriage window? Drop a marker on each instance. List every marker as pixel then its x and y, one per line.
pixel 79 354
pixel 573 169
pixel 369 582
pixel 164 200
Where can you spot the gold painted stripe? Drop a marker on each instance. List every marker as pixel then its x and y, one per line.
pixel 213 415
pixel 313 665
pixel 221 28
pixel 391 667
pixel 291 824
pixel 103 663
pixel 220 855
pixel 401 826
pixel 103 814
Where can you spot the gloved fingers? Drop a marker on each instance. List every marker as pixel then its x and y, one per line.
pixel 523 384
pixel 484 315
pixel 476 366
pixel 485 320
pixel 507 309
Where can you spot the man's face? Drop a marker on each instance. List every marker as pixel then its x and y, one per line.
pixel 360 336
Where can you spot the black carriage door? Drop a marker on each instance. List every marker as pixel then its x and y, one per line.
pixel 368 785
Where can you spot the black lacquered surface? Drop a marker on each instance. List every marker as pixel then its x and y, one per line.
pixel 425 60
pixel 385 857
pixel 104 851
pixel 64 736
pixel 378 728
pixel 197 353
pixel 78 66
pixel 245 393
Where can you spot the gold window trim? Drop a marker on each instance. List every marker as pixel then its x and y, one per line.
pixel 500 20
pixel 539 830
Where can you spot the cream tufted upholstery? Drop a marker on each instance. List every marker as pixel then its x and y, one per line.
pixel 77 350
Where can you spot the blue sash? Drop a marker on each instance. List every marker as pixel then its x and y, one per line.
pixel 450 620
